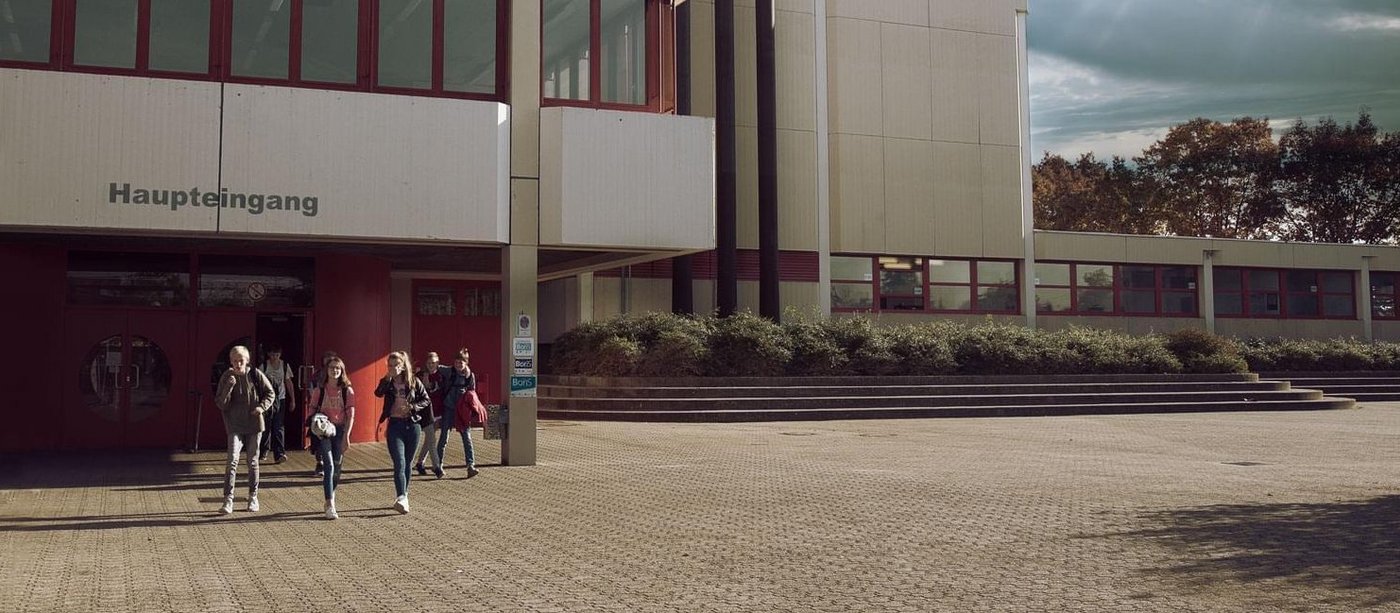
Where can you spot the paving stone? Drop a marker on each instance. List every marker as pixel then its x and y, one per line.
pixel 1191 512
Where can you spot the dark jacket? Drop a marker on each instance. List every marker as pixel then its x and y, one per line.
pixel 456 385
pixel 418 401
pixel 243 399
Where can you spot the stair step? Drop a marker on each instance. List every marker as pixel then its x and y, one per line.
pixel 645 405
pixel 728 415
pixel 846 381
pixel 877 389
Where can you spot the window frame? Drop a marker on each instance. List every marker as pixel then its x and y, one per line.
pixel 1284 293
pixel 1118 288
pixel 63 29
pixel 660 79
pixel 973 285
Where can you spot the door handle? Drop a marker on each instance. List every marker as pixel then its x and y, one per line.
pixel 136 376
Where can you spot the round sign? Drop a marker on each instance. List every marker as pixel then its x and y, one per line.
pixel 256 291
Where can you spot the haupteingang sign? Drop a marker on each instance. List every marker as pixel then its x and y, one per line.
pixel 255 204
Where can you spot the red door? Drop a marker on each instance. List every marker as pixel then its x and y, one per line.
pixel 128 386
pixel 219 331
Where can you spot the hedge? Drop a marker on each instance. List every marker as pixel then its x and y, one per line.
pixel 668 345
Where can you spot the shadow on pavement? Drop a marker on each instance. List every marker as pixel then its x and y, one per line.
pixel 1346 545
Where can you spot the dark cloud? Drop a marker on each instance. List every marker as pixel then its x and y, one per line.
pixel 1118 71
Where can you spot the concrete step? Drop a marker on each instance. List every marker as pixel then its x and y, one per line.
pixel 1373 396
pixel 729 415
pixel 579 381
pixel 614 404
pixel 876 387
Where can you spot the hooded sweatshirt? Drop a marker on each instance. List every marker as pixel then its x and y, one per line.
pixel 244 400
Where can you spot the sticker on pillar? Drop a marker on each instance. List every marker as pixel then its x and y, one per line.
pixel 522 387
pixel 524 366
pixel 523 348
pixel 523 328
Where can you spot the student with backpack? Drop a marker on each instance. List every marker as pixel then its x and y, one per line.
pixel 280 374
pixel 335 400
pixel 243 395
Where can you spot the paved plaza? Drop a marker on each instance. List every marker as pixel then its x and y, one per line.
pixel 1200 512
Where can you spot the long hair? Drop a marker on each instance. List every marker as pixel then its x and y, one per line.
pixel 343 379
pixel 408 376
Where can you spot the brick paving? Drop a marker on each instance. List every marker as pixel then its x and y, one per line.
pixel 1201 512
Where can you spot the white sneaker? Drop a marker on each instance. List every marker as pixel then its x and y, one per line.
pixel 330 510
pixel 253 504
pixel 227 508
pixel 401 504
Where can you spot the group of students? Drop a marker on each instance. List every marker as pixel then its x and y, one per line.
pixel 253 400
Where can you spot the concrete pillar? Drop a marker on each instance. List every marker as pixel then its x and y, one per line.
pixel 1363 297
pixel 1207 291
pixel 1023 101
pixel 585 298
pixel 519 296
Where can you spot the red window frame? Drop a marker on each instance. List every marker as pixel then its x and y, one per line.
pixel 1393 294
pixel 660 53
pixel 1284 292
pixel 1118 287
pixel 925 294
pixel 63 28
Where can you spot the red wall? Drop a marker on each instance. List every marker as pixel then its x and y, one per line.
pixel 31 322
pixel 352 319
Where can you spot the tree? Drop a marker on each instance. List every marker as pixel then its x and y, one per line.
pixel 1336 184
pixel 1216 178
pixel 1092 196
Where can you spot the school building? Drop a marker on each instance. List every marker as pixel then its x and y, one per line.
pixel 181 176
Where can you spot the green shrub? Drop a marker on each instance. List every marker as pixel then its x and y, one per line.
pixel 923 349
pixel 1105 352
pixel 813 351
pixel 1000 349
pixel 1319 355
pixel 674 353
pixel 1202 352
pixel 616 357
pixel 574 351
pixel 744 345
pixel 866 345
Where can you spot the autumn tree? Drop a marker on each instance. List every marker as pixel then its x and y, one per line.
pixel 1337 183
pixel 1089 195
pixel 1215 178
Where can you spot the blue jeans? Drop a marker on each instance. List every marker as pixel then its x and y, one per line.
pixel 402 437
pixel 444 432
pixel 329 453
pixel 273 438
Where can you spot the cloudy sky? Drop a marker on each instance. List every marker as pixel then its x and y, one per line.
pixel 1110 76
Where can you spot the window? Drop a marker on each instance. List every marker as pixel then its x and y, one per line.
pixel 1383 295
pixel 899 283
pixel 256 281
pixel 607 53
pixel 1124 289
pixel 128 279
pixel 852 283
pixel 1254 292
pixel 425 47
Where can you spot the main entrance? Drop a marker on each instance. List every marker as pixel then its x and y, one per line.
pixel 126 386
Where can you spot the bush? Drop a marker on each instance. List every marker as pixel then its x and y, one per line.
pixel 1104 352
pixel 574 351
pixel 995 348
pixel 1319 355
pixel 868 347
pixel 813 351
pixel 923 349
pixel 616 357
pixel 1202 352
pixel 745 345
pixel 674 353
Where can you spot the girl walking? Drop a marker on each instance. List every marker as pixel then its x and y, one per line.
pixel 334 398
pixel 405 399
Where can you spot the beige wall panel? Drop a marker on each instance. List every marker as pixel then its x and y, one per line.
pixel 1386 330
pixel 620 179
pixel 1080 247
pixel 1054 323
pixel 367 157
pixel 1307 255
pixel 745 67
pixel 908 12
pixel 607 298
pixel 854 81
pixel 1252 253
pixel 957 198
pixel 989 16
pixel 955 86
pixel 702 58
pixel 909 188
pixel 704 297
pixel 1001 202
pixel 1384 258
pixel 746 182
pixel 801 6
pixel 1165 250
pixel 902 319
pixel 906 81
pixel 558 299
pixel 649 295
pixel 857 194
pixel 800 299
pixel 66 137
pixel 525 88
pixel 999 123
pixel 525 211
pixel 1290 328
pixel 796 71
pixel 1142 326
pixel 797 190
pixel 1248 328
